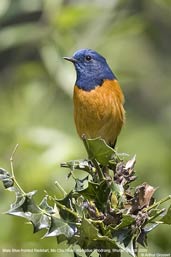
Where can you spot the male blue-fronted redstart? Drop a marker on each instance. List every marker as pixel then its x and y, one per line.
pixel 98 98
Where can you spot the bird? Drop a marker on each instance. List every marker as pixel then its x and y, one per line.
pixel 97 96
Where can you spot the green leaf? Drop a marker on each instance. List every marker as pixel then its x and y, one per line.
pixel 167 217
pixel 99 150
pixel 97 192
pixel 154 214
pixel 45 206
pixel 90 238
pixel 59 227
pixel 126 221
pixel 24 205
pixel 150 226
pixel 77 255
pixel 129 248
pixel 81 184
pixel 118 191
pixel 6 178
pixel 39 221
pixel 67 202
pixel 124 240
pixel 88 231
pixel 79 206
pixel 142 238
pixel 77 165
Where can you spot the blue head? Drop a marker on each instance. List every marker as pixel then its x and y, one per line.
pixel 91 68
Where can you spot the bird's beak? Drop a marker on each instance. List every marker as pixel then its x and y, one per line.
pixel 70 59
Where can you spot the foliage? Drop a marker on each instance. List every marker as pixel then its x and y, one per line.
pixel 102 212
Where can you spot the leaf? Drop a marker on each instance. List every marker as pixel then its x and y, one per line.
pixel 76 254
pixel 81 184
pixel 77 164
pixel 167 217
pixel 24 205
pixel 45 206
pixel 79 205
pixel 155 213
pixel 99 150
pixel 6 178
pixel 142 238
pixel 125 221
pixel 88 231
pixel 142 197
pixel 148 193
pixel 117 193
pixel 39 221
pixel 124 240
pixel 131 163
pixel 59 227
pixel 129 248
pixel 9 182
pixel 97 192
pixel 150 226
pixel 67 202
pixel 90 238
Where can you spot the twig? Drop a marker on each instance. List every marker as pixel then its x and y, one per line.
pixel 12 169
pixel 63 207
pixel 158 203
pixel 157 214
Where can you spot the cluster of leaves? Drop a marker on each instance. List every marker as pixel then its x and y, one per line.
pixel 102 213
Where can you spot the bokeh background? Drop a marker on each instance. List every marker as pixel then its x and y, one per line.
pixel 36 87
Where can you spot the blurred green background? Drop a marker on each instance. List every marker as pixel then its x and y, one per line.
pixel 36 87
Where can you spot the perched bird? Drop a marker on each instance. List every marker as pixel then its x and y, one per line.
pixel 98 98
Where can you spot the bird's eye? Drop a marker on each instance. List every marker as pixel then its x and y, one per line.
pixel 88 58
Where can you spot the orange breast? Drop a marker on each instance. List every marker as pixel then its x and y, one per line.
pixel 99 112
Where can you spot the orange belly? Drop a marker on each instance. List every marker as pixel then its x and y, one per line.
pixel 99 112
